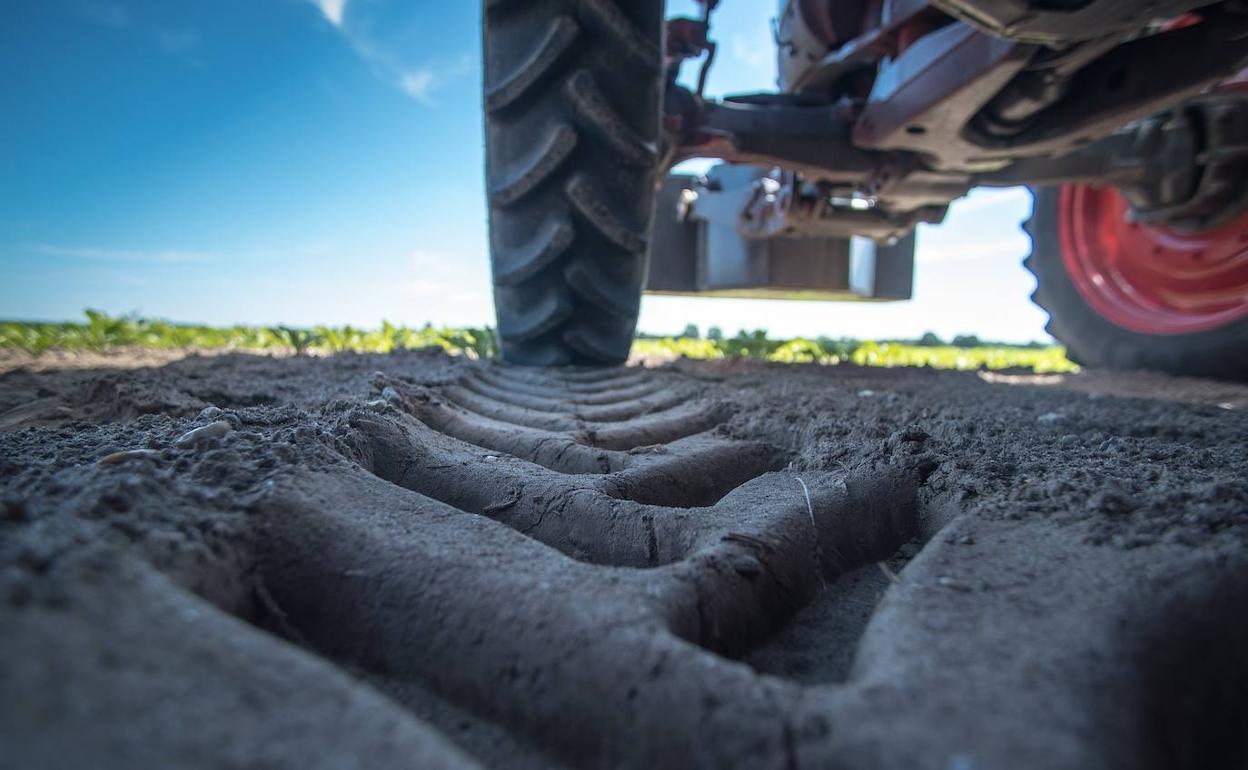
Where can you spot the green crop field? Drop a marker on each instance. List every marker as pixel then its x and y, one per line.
pixel 101 332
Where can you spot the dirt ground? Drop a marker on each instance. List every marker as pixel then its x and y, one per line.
pixel 238 561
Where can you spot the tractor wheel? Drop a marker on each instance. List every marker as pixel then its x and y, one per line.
pixel 1128 295
pixel 572 106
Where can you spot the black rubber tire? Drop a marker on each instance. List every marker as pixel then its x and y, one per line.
pixel 572 103
pixel 1093 340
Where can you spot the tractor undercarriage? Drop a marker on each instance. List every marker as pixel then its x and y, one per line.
pixel 1129 121
pixel 886 129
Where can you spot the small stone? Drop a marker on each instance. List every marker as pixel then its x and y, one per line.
pixel 126 456
pixel 391 395
pixel 952 583
pixel 966 540
pixel 210 413
pixel 212 430
pixel 1068 440
pixel 1048 418
pixel 864 393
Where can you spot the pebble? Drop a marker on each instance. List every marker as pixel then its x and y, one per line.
pixel 217 413
pixel 126 456
pixel 866 393
pixel 1049 418
pixel 391 395
pixel 952 583
pixel 210 431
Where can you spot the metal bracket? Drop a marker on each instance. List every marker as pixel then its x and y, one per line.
pixel 701 246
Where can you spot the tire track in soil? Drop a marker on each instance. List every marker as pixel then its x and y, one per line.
pixel 728 558
pixel 613 568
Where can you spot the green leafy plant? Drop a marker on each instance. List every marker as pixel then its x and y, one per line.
pixel 299 339
pixel 753 344
pixel 337 340
pixel 800 351
pixel 103 332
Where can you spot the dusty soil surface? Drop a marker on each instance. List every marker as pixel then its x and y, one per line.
pixel 420 561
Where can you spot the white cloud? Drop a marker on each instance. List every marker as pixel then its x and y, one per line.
pixel 334 10
pixel 388 48
pixel 418 83
pixel 421 82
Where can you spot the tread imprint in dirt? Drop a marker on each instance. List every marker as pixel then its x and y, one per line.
pixel 719 577
pixel 595 564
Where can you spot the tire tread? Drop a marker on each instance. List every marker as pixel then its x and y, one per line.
pixel 572 118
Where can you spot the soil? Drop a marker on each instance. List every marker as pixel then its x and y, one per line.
pixel 424 561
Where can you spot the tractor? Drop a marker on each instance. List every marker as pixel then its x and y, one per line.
pixel 1128 119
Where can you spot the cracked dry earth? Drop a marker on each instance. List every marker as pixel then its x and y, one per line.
pixel 421 561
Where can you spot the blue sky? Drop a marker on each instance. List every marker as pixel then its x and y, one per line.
pixel 302 161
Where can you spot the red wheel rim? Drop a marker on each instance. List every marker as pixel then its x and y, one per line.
pixel 1147 278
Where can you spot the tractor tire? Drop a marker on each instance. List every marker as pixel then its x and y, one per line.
pixel 572 119
pixel 1130 296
